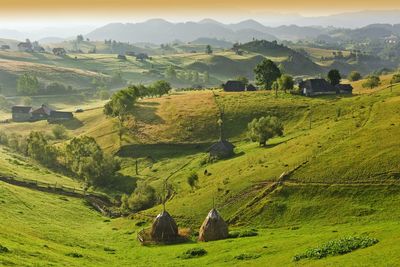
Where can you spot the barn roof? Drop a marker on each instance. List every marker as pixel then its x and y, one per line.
pixel 44 110
pixel 344 87
pixel 21 109
pixel 318 85
pixel 234 86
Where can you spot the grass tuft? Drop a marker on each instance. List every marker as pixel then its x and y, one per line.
pixel 337 247
pixel 193 253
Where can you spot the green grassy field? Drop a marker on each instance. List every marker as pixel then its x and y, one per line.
pixel 345 182
pixel 33 236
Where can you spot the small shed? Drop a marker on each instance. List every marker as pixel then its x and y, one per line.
pixel 221 149
pixel 164 228
pixel 213 228
pixel 234 86
pixel 345 88
pixel 314 87
pixel 21 113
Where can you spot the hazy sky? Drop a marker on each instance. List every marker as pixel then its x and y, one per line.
pixel 82 16
pixel 99 11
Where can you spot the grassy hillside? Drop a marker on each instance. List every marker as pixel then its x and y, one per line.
pixel 342 178
pixel 74 235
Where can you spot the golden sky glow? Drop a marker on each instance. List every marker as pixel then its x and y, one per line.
pixel 309 7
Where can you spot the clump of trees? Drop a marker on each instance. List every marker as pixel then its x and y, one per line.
pixel 85 158
pixel 262 129
pixel 27 84
pixel 266 73
pixel 40 150
pixel 285 82
pixel 143 197
pixel 122 102
pixel 372 81
pixel 334 77
pixel 120 106
pixel 354 76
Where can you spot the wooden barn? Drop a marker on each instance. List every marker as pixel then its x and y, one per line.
pixel 345 88
pixel 234 86
pixel 314 87
pixel 21 113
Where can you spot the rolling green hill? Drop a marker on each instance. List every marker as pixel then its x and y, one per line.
pixel 338 177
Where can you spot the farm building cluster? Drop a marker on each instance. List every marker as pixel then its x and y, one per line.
pixel 28 114
pixel 310 87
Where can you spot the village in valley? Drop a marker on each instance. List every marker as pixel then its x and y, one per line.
pixel 197 143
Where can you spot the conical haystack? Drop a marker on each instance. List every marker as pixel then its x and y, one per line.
pixel 164 228
pixel 213 227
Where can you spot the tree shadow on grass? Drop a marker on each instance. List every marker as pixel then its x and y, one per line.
pixel 160 151
pixel 147 114
pixel 120 183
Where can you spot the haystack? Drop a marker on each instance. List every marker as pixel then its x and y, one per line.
pixel 164 228
pixel 213 227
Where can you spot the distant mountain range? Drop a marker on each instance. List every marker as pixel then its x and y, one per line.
pixel 293 27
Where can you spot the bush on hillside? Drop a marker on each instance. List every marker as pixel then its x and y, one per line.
pixel 86 159
pixel 39 149
pixel 4 249
pixel 371 82
pixel 337 247
pixel 193 253
pixel 396 78
pixel 59 131
pixel 354 76
pixel 142 198
pixel 264 128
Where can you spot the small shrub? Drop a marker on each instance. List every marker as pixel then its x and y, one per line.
pixel 192 179
pixel 244 233
pixel 193 253
pixel 4 249
pixel 247 256
pixel 337 247
pixel 74 255
pixel 59 131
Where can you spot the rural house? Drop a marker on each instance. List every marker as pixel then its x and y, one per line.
pixel 21 113
pixel 5 47
pixel 41 113
pixel 314 87
pixel 234 86
pixel 344 88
